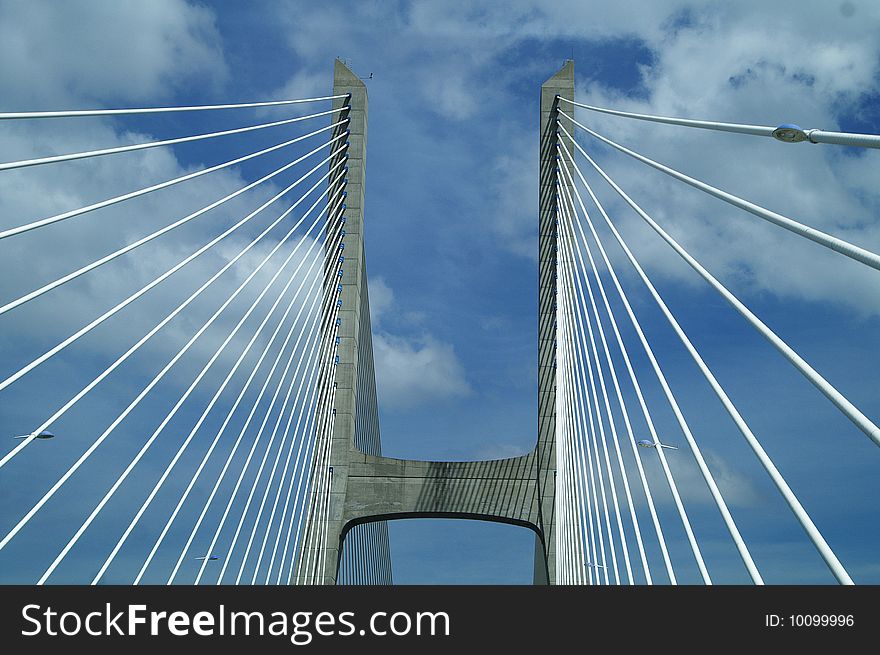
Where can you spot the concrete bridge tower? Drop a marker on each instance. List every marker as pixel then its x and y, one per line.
pixel 367 489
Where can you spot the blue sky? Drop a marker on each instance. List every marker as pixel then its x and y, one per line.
pixel 451 216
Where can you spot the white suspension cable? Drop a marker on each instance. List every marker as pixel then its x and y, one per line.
pixel 322 441
pixel 296 504
pixel 581 495
pixel 305 382
pixel 311 365
pixel 595 354
pixel 561 425
pixel 150 237
pixel 290 522
pixel 565 512
pixel 791 499
pixel 742 549
pixel 822 238
pixel 246 464
pixel 325 349
pixel 320 468
pixel 842 403
pixel 323 500
pixel 311 539
pixel 281 520
pixel 589 440
pixel 299 472
pixel 143 340
pixel 574 455
pixel 259 471
pixel 247 422
pixel 308 509
pixel 324 431
pixel 282 350
pixel 585 356
pixel 588 500
pixel 135 402
pixel 587 380
pixel 155 187
pixel 301 505
pixel 608 411
pixel 214 490
pixel 153 110
pixel 833 138
pixel 321 553
pixel 324 523
pixel 177 566
pixel 137 345
pixel 754 130
pixel 217 394
pixel 632 439
pixel 667 472
pixel 786 133
pixel 123 476
pixel 569 408
pixel 585 474
pixel 274 510
pixel 54 159
pixel 119 306
pixel 564 427
pixel 262 506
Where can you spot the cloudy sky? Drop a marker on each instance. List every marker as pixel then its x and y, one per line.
pixel 451 223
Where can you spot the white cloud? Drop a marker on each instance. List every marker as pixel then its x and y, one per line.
pixel 381 300
pixel 413 371
pixel 410 370
pixel 737 489
pixel 88 51
pixel 804 62
pixel 451 94
pixel 723 66
pixel 182 31
pixel 303 84
pixel 72 55
pixel 515 194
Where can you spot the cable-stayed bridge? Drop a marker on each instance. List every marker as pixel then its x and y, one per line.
pixel 207 411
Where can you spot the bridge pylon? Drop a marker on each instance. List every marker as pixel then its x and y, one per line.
pixel 367 489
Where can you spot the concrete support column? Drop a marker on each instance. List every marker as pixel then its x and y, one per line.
pixel 562 83
pixel 353 280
